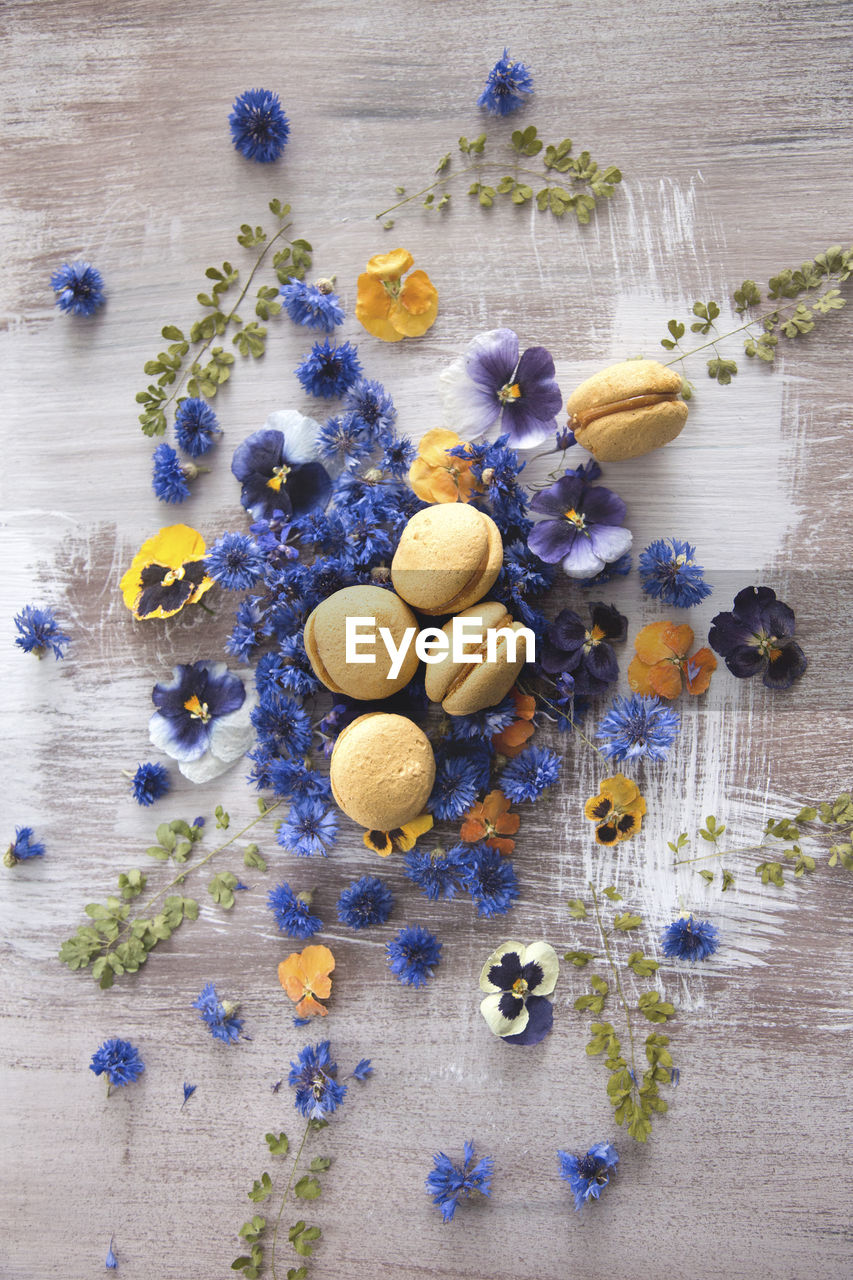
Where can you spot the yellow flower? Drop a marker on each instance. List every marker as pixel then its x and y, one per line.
pixel 166 573
pixel 437 475
pixel 401 839
pixel 392 308
pixel 304 975
pixel 617 810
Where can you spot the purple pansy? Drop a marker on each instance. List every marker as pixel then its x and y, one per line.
pixel 278 468
pixel 202 719
pixel 584 529
pixel 571 645
pixel 490 383
pixel 758 636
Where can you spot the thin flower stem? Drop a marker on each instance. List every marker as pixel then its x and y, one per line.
pixel 704 857
pixel 571 720
pixel 424 190
pixel 284 1197
pixel 615 971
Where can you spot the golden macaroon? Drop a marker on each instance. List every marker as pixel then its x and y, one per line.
pixel 382 771
pixel 325 642
pixel 465 687
pixel 627 410
pixel 448 558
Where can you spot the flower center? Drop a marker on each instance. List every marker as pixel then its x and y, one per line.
pixel 768 646
pixel 197 709
pixel 173 575
pixel 576 518
pixel 519 987
pixel 318 1085
pixel 393 288
pixel 279 477
pixel 593 637
pixel 509 391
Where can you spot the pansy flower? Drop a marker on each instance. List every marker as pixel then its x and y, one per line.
pixel 390 307
pixel 584 526
pixel 166 573
pixel 400 839
pixel 202 719
pixel 517 979
pixel 491 822
pixel 583 650
pixel 278 468
pixel 305 977
pixel 662 662
pixel 511 741
pixel 491 383
pixel 437 475
pixel 758 637
pixel 617 810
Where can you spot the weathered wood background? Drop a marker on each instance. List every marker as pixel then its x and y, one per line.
pixel 731 122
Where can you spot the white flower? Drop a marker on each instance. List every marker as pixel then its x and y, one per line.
pixel 512 973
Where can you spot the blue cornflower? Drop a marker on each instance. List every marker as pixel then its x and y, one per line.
pixel 329 371
pixel 286 671
pixel 120 1060
pixel 313 305
pixel 38 631
pixel 413 955
pixel 235 561
pixel 150 782
pixel 23 847
pixel 617 569
pixel 589 1174
pixel 247 631
pixel 490 879
pixel 282 725
pixel 309 828
pixel 398 454
pixel 111 1263
pixel 292 912
pixel 457 782
pixel 438 874
pixel 259 127
pixel 367 901
pixel 218 1015
pixel 689 939
pixel 369 399
pixel 668 572
pixel 638 726
pixel 362 1069
pixel 565 439
pixel 189 1090
pixel 292 779
pixel 483 725
pixel 312 1075
pixel 448 1183
pixel 170 475
pixel 79 288
pixel 529 774
pixel 507 86
pixel 343 439
pixel 196 426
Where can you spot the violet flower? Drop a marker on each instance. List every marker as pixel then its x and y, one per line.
pixel 278 467
pixel 572 646
pixel 758 636
pixel 584 529
pixel 490 383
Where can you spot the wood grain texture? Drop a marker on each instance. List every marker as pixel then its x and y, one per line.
pixel 731 124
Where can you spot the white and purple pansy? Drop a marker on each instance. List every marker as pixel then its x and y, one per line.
pixel 202 719
pixel 279 470
pixel 491 383
pixel 518 979
pixel 584 525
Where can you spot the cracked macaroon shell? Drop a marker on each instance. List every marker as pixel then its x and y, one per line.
pixel 630 432
pixel 325 642
pixel 449 555
pixel 382 771
pixel 465 687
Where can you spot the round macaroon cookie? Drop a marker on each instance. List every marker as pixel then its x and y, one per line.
pixel 382 771
pixel 465 687
pixel 448 557
pixel 325 642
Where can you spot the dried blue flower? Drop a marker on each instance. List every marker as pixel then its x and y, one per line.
pixel 589 1174
pixel 111 1263
pixel 362 1069
pixel 312 1076
pixel 219 1016
pixel 150 783
pixel 689 939
pixel 292 912
pixel 196 426
pixel 757 636
pixel 169 480
pixel 120 1060
pixel 343 439
pixel 282 725
pixel 373 405
pixel 491 383
pixel 584 526
pixel 457 783
pixel 328 371
pixel 398 454
pixel 367 901
pixel 79 288
pixel 637 727
pixel 23 847
pixel 314 306
pixel 669 573
pixel 235 561
pixel 38 630
pixel 448 1184
pixel 508 86
pixel 438 874
pixel 259 127
pixel 278 468
pixel 189 1090
pixel 309 828
pixel 583 651
pixel 413 955
pixel 490 879
pixel 529 774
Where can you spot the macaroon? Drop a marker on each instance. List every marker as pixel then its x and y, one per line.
pixel 465 687
pixel 448 558
pixel 382 771
pixel 627 410
pixel 325 642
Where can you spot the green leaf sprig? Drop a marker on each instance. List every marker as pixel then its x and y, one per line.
pixel 114 943
pixel 590 183
pixel 634 1099
pixel 818 281
pixel 191 358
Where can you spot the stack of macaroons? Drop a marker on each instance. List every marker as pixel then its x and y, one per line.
pixel 449 555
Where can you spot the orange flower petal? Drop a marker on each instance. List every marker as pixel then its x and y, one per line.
pixel 704 664
pixel 309 1008
pixel 503 846
pixel 597 808
pixel 419 295
pixel 653 642
pixel 665 679
pixel 473 829
pixel 390 266
pixel 679 638
pixel 373 303
pixel 494 804
pixel 639 676
pixel 291 975
pixel 621 790
pixel 317 962
pixel 433 447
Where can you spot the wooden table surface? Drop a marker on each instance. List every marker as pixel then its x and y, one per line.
pixel 731 123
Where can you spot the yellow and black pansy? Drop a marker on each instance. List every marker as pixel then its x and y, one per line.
pixel 401 839
pixel 617 810
pixel 166 573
